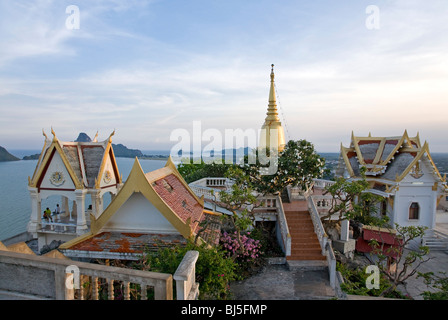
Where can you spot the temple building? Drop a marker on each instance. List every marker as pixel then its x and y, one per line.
pixel 71 171
pixel 151 210
pixel 272 134
pixel 401 170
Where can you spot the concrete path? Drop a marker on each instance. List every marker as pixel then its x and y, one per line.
pixel 277 282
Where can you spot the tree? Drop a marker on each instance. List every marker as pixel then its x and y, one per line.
pixel 406 261
pixel 350 200
pixel 297 165
pixel 240 201
pixel 191 171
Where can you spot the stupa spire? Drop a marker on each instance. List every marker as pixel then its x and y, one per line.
pixel 272 114
pixel 272 121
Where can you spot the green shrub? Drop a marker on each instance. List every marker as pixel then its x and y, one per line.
pixel 214 270
pixel 355 283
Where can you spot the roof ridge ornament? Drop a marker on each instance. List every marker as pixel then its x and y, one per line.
pixel 44 134
pixel 110 137
pixel 54 134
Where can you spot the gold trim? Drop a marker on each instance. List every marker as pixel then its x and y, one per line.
pixel 46 161
pixel 113 161
pixel 344 152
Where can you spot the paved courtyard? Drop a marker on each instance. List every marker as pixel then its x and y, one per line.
pixel 277 282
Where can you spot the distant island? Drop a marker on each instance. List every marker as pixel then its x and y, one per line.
pixel 120 151
pixel 6 156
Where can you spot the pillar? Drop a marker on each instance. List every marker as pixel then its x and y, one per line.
pixel 97 203
pixel 81 225
pixel 36 214
pixel 65 208
pixel 345 228
pixel 74 211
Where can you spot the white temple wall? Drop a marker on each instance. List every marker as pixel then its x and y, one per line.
pixel 138 214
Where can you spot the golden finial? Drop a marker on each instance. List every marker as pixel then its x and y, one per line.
pixel 110 137
pixel 54 134
pixel 43 132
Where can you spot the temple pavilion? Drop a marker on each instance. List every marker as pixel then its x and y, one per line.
pixel 72 171
pixel 401 170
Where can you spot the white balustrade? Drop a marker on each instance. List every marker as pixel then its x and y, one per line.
pixel 80 280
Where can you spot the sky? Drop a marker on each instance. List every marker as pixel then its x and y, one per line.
pixel 147 69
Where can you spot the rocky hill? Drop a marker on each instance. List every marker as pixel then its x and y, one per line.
pixel 119 149
pixel 6 156
pixel 83 137
pixel 122 151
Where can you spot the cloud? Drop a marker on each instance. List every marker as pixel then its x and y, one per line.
pixel 147 68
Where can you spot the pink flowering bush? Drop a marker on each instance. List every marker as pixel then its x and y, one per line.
pixel 248 251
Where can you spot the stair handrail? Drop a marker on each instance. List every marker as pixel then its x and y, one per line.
pixel 283 225
pixel 318 227
pixel 325 244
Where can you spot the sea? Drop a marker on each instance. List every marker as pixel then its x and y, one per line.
pixel 15 200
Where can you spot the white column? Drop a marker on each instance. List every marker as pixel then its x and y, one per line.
pixel 81 214
pixel 65 207
pixel 97 203
pixel 74 210
pixel 345 228
pixel 36 214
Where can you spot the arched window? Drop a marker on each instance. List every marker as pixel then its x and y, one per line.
pixel 414 211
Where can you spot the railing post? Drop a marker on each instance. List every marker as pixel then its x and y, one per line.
pixel 110 289
pixel 95 288
pixel 143 295
pixel 163 290
pixel 127 293
pixel 185 276
pixel 60 278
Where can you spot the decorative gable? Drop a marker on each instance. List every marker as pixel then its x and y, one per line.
pixel 390 158
pixel 89 165
pixel 56 175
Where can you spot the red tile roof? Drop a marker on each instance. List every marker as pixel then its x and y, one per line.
pixel 171 190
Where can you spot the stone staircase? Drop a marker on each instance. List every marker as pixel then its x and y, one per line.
pixel 435 240
pixel 304 243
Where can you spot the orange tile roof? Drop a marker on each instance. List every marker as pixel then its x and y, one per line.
pixel 171 190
